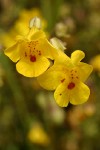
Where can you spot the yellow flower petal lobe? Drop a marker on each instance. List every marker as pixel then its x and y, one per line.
pixel 35 34
pixel 48 50
pixel 84 70
pixel 32 68
pixel 61 96
pixel 13 52
pixel 77 56
pixel 80 94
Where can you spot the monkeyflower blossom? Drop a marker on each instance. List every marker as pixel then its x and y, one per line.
pixel 67 77
pixel 31 52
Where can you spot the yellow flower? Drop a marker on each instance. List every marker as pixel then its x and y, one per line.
pixel 20 26
pixel 31 53
pixel 66 77
pixel 95 62
pixel 37 135
pixel 7 39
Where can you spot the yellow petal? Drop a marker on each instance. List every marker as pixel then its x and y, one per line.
pixel 79 94
pixel 95 62
pixel 77 56
pixel 48 50
pixel 84 71
pixel 13 52
pixel 32 69
pixel 61 95
pixel 63 59
pixel 35 34
pixel 52 77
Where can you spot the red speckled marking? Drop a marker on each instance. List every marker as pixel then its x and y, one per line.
pixel 62 80
pixel 32 58
pixel 25 54
pixel 71 85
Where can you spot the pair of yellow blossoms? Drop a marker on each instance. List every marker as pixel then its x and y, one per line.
pixel 65 76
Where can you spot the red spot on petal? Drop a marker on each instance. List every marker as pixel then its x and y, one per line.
pixel 71 85
pixel 25 54
pixel 62 80
pixel 32 58
pixel 39 53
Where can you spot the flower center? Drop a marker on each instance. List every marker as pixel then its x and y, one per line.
pixel 71 85
pixel 32 51
pixel 32 58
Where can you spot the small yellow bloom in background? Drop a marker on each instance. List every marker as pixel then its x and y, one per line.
pixel 20 26
pixel 37 135
pixel 66 77
pixel 31 52
pixel 95 62
pixel 7 39
pixel 25 16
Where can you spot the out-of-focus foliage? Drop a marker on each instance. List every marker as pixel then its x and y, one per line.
pixel 29 117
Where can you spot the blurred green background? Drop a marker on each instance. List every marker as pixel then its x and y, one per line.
pixel 29 117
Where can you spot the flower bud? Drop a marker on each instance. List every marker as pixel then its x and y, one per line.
pixel 57 44
pixel 36 22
